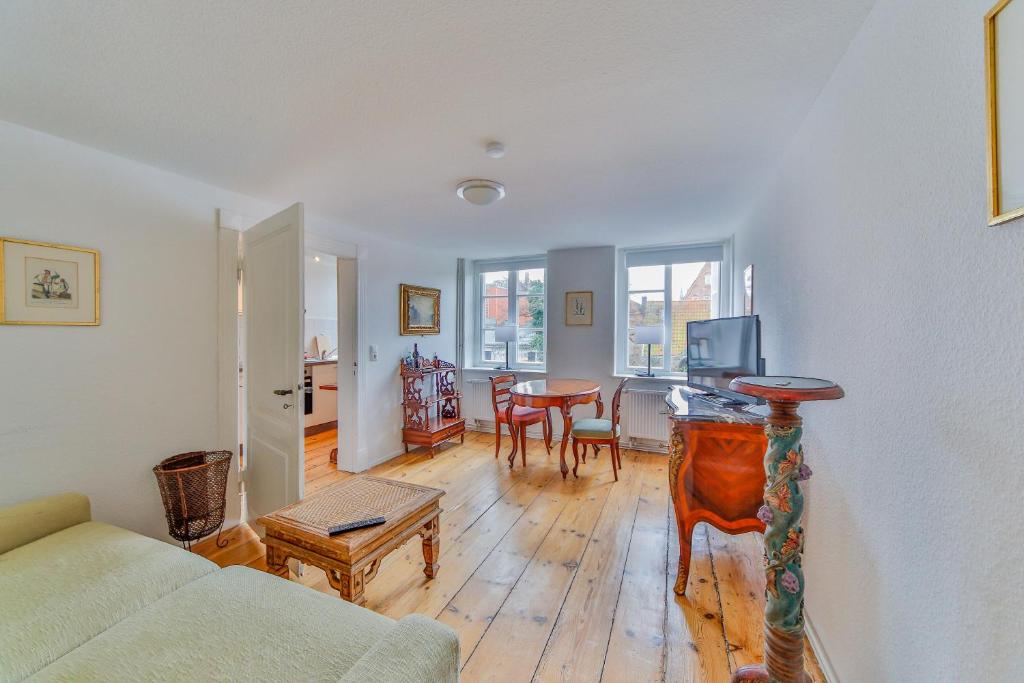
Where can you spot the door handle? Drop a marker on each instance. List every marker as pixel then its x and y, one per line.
pixel 282 392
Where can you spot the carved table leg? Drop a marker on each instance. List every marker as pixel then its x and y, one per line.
pixel 547 430
pixel 677 453
pixel 522 442
pixel 277 562
pixel 513 434
pixel 600 412
pixel 431 547
pixel 566 434
pixel 350 586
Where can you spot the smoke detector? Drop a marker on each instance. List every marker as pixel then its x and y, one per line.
pixel 480 192
pixel 495 150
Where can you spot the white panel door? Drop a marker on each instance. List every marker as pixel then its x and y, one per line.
pixel 274 305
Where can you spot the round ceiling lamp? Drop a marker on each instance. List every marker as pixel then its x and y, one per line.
pixel 480 192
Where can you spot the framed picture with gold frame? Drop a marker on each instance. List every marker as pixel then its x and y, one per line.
pixel 1004 65
pixel 48 284
pixel 419 310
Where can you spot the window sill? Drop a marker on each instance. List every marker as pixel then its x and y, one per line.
pixel 675 379
pixel 518 371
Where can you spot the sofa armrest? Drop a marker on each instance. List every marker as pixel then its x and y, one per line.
pixel 416 650
pixel 27 522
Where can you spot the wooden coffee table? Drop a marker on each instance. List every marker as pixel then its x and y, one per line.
pixel 351 559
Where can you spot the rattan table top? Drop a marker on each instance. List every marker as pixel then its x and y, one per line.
pixel 354 499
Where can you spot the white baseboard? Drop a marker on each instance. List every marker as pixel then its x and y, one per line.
pixel 819 650
pixel 385 458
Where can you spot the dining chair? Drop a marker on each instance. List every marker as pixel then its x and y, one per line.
pixel 501 394
pixel 596 432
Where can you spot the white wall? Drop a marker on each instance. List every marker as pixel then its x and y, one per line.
pixel 383 266
pixel 93 409
pixel 321 288
pixel 875 268
pixel 584 351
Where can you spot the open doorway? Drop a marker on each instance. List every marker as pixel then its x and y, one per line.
pixel 330 363
pixel 320 362
pixel 263 346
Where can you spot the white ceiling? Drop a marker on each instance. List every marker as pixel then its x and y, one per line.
pixel 625 123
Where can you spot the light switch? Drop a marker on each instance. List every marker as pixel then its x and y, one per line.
pixel 374 352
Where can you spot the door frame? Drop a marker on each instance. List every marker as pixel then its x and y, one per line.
pixel 230 402
pixel 351 452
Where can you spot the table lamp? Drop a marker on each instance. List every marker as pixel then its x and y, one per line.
pixel 650 335
pixel 505 333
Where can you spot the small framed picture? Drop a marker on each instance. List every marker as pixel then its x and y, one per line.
pixel 579 308
pixel 419 310
pixel 48 284
pixel 748 290
pixel 1004 46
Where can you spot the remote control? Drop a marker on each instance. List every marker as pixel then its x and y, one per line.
pixel 349 526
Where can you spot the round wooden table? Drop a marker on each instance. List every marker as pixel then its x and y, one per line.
pixel 553 393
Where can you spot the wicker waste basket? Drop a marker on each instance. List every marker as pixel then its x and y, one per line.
pixel 193 487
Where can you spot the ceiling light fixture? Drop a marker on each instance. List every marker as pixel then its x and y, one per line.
pixel 480 192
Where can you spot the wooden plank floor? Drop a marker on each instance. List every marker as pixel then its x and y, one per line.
pixel 545 580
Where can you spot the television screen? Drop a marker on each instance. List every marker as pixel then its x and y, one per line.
pixel 718 351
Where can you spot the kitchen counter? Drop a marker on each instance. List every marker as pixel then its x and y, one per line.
pixel 314 361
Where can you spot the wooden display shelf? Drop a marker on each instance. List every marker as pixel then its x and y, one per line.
pixel 430 420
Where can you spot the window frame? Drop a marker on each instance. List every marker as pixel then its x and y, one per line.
pixel 514 266
pixel 725 300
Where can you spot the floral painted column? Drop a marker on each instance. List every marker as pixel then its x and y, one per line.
pixel 782 511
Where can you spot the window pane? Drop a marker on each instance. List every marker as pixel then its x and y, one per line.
pixel 531 311
pixel 637 354
pixel 531 281
pixel 531 346
pixel 646 277
pixel 495 283
pixel 495 311
pixel 492 351
pixel 646 309
pixel 694 287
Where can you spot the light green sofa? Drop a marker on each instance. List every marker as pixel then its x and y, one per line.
pixel 86 601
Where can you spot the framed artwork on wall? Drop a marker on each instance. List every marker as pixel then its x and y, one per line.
pixel 579 308
pixel 419 310
pixel 48 284
pixel 748 290
pixel 1004 62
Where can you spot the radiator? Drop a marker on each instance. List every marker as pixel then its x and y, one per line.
pixel 479 411
pixel 645 419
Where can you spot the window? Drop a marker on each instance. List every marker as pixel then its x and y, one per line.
pixel 667 288
pixel 511 293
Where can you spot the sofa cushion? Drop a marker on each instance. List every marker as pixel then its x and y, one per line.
pixel 593 428
pixel 63 589
pixel 27 522
pixel 237 624
pixel 417 650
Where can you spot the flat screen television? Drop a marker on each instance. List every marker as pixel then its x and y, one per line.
pixel 718 351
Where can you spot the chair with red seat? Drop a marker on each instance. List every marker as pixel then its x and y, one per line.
pixel 522 417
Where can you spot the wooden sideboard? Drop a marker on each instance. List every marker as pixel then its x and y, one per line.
pixel 716 468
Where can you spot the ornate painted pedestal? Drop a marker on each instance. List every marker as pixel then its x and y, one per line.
pixel 782 510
